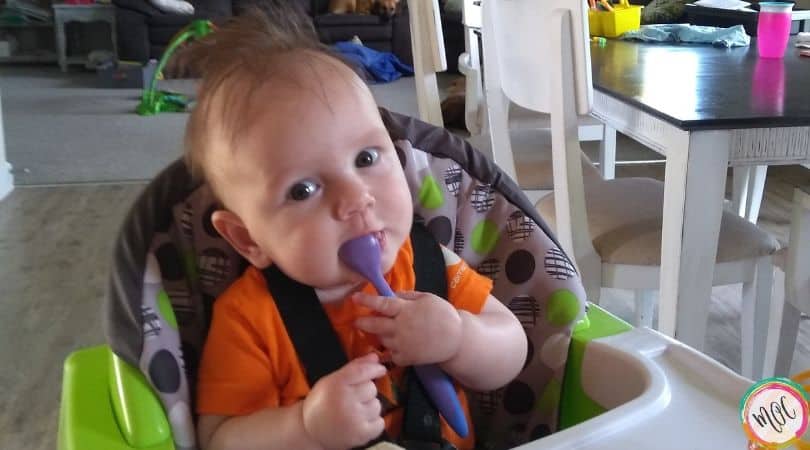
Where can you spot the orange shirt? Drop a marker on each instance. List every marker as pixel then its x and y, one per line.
pixel 249 362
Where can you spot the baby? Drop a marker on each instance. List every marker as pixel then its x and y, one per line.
pixel 291 142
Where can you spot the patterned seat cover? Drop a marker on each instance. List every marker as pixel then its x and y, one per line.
pixel 170 265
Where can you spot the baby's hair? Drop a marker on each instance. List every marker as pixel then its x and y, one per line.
pixel 239 57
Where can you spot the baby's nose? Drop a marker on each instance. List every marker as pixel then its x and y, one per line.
pixel 354 198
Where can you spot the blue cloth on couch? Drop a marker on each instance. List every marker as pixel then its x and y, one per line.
pixel 382 66
pixel 694 34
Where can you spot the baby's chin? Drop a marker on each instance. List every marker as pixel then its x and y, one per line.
pixel 336 291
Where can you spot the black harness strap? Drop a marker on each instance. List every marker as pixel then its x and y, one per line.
pixel 309 328
pixel 421 429
pixel 319 348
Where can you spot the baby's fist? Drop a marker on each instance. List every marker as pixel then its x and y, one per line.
pixel 342 410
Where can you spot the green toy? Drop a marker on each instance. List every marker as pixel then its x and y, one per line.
pixel 154 101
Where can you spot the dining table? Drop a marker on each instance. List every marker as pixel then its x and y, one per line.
pixel 704 108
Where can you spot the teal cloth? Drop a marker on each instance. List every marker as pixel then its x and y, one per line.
pixel 693 34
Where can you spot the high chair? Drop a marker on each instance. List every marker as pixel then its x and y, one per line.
pixel 797 280
pixel 170 265
pixel 613 227
pixel 601 384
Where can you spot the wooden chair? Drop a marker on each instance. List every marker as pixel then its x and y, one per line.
pixel 541 60
pixel 796 265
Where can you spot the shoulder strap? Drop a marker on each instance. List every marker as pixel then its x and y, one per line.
pixel 421 428
pixel 428 262
pixel 309 328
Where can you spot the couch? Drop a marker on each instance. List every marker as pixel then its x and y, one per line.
pixel 144 31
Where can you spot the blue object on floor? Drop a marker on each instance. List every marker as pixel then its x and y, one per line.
pixel 382 66
pixel 693 34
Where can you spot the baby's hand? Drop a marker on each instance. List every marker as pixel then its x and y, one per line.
pixel 417 327
pixel 342 410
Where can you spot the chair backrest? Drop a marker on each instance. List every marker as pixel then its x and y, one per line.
pixel 427 43
pixel 170 265
pixel 525 36
pixel 537 53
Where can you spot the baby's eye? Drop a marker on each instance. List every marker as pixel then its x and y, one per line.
pixel 302 190
pixel 366 157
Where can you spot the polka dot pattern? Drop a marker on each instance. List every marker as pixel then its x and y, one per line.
pixel 504 243
pixel 484 237
pixel 518 398
pixel 520 266
pixel 430 195
pixel 164 372
pixel 442 229
pixel 563 307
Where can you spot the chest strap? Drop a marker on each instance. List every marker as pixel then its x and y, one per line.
pixel 319 348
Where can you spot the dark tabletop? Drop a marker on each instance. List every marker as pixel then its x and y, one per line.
pixel 703 87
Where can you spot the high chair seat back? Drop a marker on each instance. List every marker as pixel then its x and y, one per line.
pixel 170 265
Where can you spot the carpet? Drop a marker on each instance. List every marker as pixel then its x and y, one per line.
pixel 62 129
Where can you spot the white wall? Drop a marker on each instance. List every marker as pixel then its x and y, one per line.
pixel 6 179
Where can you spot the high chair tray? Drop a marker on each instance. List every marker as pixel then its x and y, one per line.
pixel 659 394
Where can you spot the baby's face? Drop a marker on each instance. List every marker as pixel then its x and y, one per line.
pixel 316 170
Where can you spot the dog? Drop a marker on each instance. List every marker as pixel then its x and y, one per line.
pixel 386 9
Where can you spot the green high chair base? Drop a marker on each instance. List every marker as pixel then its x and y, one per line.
pixel 108 404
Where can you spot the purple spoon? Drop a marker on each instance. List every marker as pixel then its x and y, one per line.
pixel 362 254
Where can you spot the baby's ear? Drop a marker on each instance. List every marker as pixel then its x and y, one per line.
pixel 233 230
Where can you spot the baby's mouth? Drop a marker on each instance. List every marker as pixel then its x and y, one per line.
pixel 380 236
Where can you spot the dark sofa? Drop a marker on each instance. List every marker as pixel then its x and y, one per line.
pixel 144 31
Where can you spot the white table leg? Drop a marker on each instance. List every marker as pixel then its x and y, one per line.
pixel 693 201
pixel 607 153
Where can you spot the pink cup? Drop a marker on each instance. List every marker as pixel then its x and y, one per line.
pixel 773 28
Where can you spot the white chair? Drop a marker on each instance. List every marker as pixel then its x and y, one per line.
pixel 797 281
pixel 427 43
pixel 497 119
pixel 611 227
